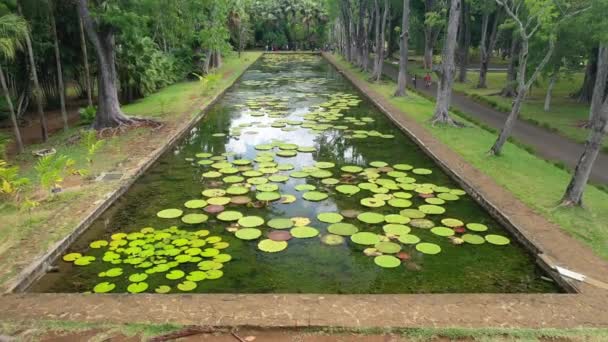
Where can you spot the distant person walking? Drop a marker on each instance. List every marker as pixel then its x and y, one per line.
pixel 415 80
pixel 427 80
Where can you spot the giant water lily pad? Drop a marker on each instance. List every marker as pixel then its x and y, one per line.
pixel 387 261
pixel 330 217
pixel 270 246
pixel 104 287
pixel 412 213
pixel 186 286
pixel 351 168
pixel 365 238
pixel 279 235
pixel 229 216
pixel 251 221
pixel 137 287
pixel 422 223
pixel 347 189
pixel 237 190
pixel 195 204
pixel 194 218
pixel 305 187
pixel 448 196
pixel 218 200
pixel 304 232
pixel 342 228
pixel 421 171
pixel 70 257
pixel 268 196
pixel 396 229
pixel 396 219
pixel 473 239
pixel 163 289
pixel 248 233
pixel 371 218
pixel 477 227
pixel 388 247
pixel 240 200
pixel 399 203
pixel 332 239
pixel 314 196
pixel 442 231
pixel 324 165
pixel 409 239
pixel 431 209
pixel 372 202
pixel 428 248
pixel 451 222
pixel 497 239
pixel 280 223
pixel 84 260
pixel 170 213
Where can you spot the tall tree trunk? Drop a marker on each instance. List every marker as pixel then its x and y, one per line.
pixel 108 113
pixel 599 127
pixel 85 58
pixel 60 85
pixel 585 93
pixel 11 110
pixel 509 88
pixel 465 43
pixel 486 49
pixel 380 48
pixel 552 81
pixel 360 33
pixel 447 69
pixel 345 11
pixel 366 30
pixel 403 49
pixel 522 90
pixel 430 37
pixel 38 94
pixel 377 37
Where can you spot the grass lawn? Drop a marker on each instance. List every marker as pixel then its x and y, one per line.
pixel 41 329
pixel 25 235
pixel 534 181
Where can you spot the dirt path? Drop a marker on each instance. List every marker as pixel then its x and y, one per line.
pixel 548 145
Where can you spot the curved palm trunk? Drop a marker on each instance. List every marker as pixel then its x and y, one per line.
pixel 108 113
pixel 60 85
pixel 11 109
pixel 447 69
pixel 403 47
pixel 599 127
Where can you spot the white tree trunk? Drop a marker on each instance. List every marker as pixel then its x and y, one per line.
pixel 549 94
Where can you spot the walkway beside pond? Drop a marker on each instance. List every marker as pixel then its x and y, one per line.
pixel 547 144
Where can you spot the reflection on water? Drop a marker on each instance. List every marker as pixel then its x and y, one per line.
pixel 301 84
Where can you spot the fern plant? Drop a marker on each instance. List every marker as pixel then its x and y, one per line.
pixel 10 181
pixel 91 143
pixel 51 170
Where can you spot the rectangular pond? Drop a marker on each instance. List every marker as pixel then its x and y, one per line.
pixel 295 183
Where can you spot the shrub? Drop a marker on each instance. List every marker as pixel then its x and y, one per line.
pixel 87 114
pixel 51 170
pixel 10 181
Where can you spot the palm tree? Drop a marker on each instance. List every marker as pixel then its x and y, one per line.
pixel 13 31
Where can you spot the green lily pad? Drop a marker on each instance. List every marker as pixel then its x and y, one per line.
pixel 399 203
pixel 175 274
pixel 280 223
pixel 442 231
pixel 330 217
pixel 248 233
pixel 351 168
pixel 114 272
pixel 194 218
pixel 218 200
pixel 84 260
pixel 271 246
pixel 305 187
pixel 314 196
pixel 324 165
pixel 421 171
pixel 451 222
pixel 186 286
pixel 98 244
pixel 257 180
pixel 229 215
pixel 304 232
pixel 214 274
pixel 267 196
pixel 137 287
pixel 104 287
pixel 446 196
pixel 170 213
pixel 387 261
pixel 332 239
pixel 388 247
pixel 278 178
pixel 412 213
pixel 163 289
pixel 396 229
pixel 342 228
pixel 233 179
pixel 365 238
pixel 428 248
pixel 396 219
pixel 138 277
pixel 224 257
pixel 251 221
pixel 371 218
pixel 473 239
pixel 409 239
pixel 372 202
pixel 378 164
pixel 477 227
pixel 497 239
pixel 195 204
pixel 431 209
pixel 402 167
pixel 347 189
pixel 71 257
pixel 434 201
pixel 422 223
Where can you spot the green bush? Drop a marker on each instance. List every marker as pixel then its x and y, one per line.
pixel 87 114
pixel 5 139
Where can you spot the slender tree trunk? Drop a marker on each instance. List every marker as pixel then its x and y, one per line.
pixel 345 11
pixel 108 113
pixel 487 48
pixel 38 94
pixel 585 93
pixel 403 49
pixel 382 35
pixel 509 88
pixel 465 42
pixel 522 90
pixel 85 58
pixel 60 85
pixel 430 37
pixel 552 81
pixel 366 30
pixel 360 34
pixel 599 128
pixel 447 69
pixel 11 110
pixel 377 38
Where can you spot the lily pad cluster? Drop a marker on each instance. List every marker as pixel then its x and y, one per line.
pixel 156 253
